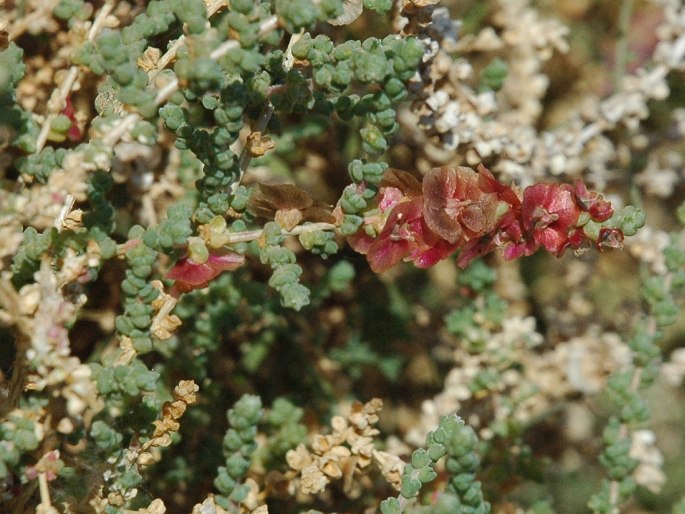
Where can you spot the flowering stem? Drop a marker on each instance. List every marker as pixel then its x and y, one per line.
pixel 251 235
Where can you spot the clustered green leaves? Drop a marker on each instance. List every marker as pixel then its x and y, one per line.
pixel 239 446
pixel 463 493
pixel 20 129
pixel 284 421
pixel 137 318
pixel 386 63
pixel 18 435
pixel 286 272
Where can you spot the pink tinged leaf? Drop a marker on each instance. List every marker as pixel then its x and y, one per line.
pixel 514 251
pixel 474 249
pixel 552 240
pixel 383 255
pixel 190 275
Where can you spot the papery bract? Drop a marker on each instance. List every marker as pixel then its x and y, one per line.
pixel 190 275
pixel 455 206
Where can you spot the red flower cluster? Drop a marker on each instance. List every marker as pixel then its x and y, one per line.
pixel 459 210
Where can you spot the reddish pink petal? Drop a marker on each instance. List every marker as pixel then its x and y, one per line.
pixel 360 242
pixel 427 258
pixel 538 195
pixel 384 254
pixel 395 241
pixel 190 275
pixel 554 242
pixel 490 184
pixel 551 212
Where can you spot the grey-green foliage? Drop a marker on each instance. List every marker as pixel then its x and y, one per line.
pixel 27 259
pixel 98 222
pixel 661 293
pixel 334 69
pixel 124 381
pixel 357 355
pixel 239 446
pixel 494 74
pixel 463 493
pixel 339 276
pixel 287 431
pixel 139 293
pixel 462 463
pixel 17 436
pixel 380 6
pixel 41 164
pixel 319 242
pixel 217 95
pixel 19 128
pixel 286 273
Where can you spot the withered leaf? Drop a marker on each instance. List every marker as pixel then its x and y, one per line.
pixel 402 180
pixel 258 144
pixel 266 200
